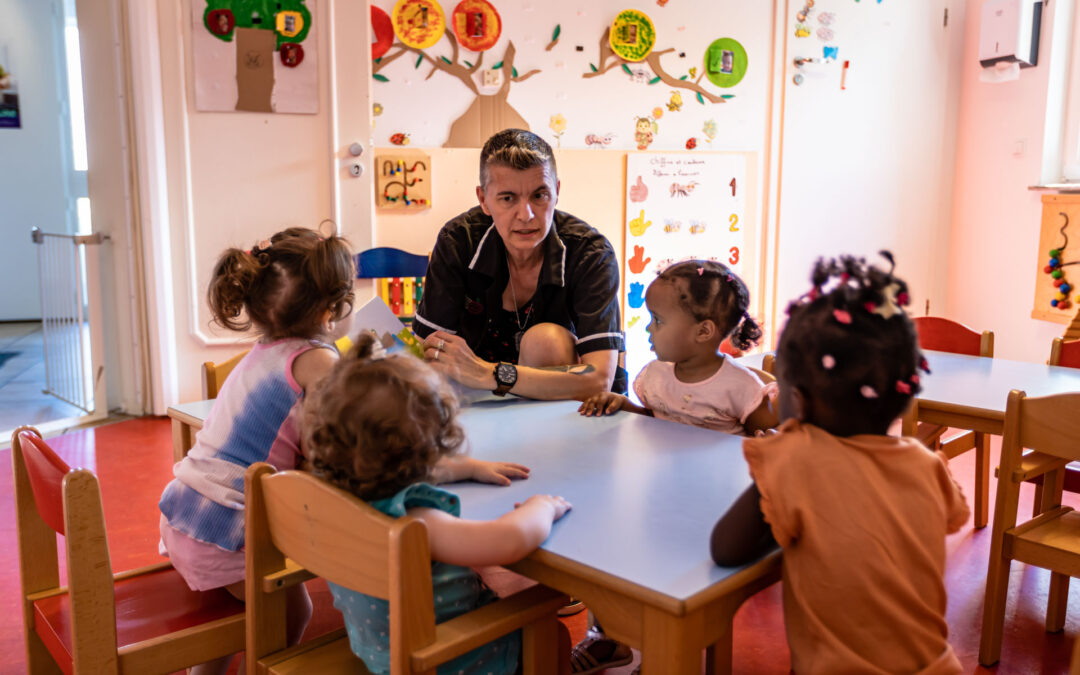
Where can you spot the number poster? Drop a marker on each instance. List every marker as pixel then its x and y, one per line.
pixel 678 206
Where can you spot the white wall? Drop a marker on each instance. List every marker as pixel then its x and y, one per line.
pixel 33 164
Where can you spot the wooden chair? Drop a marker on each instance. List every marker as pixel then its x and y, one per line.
pixel 142 621
pixel 299 526
pixel 768 364
pixel 214 374
pixel 944 335
pixel 1062 353
pixel 1051 428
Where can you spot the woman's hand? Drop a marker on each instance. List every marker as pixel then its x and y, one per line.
pixel 604 403
pixel 558 505
pixel 452 356
pixel 496 473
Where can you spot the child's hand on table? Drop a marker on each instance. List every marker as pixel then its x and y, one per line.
pixel 558 505
pixel 496 473
pixel 605 403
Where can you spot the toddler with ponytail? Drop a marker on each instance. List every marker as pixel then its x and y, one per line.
pixel 694 305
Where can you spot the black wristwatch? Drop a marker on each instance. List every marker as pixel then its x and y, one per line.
pixel 505 378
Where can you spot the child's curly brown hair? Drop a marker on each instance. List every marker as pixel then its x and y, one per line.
pixel 376 425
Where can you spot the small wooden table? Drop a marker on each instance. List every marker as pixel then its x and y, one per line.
pixel 187 418
pixel 635 548
pixel 970 392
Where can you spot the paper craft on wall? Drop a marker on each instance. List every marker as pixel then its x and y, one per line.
pixel 477 24
pixel 403 181
pixel 632 35
pixel 725 62
pixel 255 55
pixel 489 112
pixel 1057 288
pixel 678 206
pixel 418 23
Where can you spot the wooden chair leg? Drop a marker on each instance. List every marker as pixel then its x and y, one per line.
pixel 1036 504
pixel 718 655
pixel 1056 602
pixel 997 589
pixel 539 647
pixel 982 479
pixel 38 659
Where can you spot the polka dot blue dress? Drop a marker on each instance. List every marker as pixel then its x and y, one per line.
pixel 457 590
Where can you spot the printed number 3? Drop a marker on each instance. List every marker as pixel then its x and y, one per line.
pixel 734 219
pixel 734 259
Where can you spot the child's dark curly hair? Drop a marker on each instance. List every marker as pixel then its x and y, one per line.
pixel 849 346
pixel 376 424
pixel 709 290
pixel 284 285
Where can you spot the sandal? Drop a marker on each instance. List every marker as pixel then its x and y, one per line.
pixel 583 661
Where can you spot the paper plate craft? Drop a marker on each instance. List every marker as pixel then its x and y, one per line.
pixel 418 23
pixel 383 30
pixel 477 24
pixel 632 35
pixel 725 62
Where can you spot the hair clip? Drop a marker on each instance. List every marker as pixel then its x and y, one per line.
pixel 842 316
pixel 888 308
pixel 828 362
pixel 924 365
pixel 870 307
pixel 914 379
pixel 814 293
pixel 903 387
pixel 868 392
pixel 903 299
pixel 700 271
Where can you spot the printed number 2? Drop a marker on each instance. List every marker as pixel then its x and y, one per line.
pixel 734 259
pixel 734 220
pixel 732 184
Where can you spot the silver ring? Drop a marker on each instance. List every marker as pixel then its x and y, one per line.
pixel 437 354
pixel 442 345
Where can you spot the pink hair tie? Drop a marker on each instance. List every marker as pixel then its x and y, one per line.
pixel 903 387
pixel 842 316
pixel 700 271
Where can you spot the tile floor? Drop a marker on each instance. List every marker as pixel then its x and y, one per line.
pixel 22 378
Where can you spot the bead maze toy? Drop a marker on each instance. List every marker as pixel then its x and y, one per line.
pixel 403 181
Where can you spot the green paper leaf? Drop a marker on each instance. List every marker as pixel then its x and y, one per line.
pixel 446 60
pixel 700 98
pixel 468 65
pixel 683 77
pixel 654 80
pixel 419 60
pixel 513 72
pixel 593 67
pixel 381 78
pixel 727 96
pixel 627 69
pixel 497 66
pixel 378 60
pixel 555 35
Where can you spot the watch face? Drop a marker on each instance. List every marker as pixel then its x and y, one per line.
pixel 506 373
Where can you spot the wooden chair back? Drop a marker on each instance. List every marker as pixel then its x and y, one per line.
pixel 1048 425
pixel 1065 353
pixel 768 364
pixel 765 376
pixel 946 335
pixel 214 374
pixel 298 526
pixel 45 471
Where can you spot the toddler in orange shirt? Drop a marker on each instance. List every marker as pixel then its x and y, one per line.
pixel 861 516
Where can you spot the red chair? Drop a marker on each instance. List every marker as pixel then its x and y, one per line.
pixel 142 621
pixel 944 335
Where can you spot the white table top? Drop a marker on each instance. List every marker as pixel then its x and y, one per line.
pixel 646 492
pixel 984 383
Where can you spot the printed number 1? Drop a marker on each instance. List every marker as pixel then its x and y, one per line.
pixel 732 184
pixel 734 219
pixel 734 259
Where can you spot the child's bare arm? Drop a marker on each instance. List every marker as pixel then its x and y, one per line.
pixel 312 365
pixel 607 403
pixel 741 535
pixel 764 417
pixel 478 543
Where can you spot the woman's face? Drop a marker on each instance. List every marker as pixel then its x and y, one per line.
pixel 522 204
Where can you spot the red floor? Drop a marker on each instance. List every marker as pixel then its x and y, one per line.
pixel 133 461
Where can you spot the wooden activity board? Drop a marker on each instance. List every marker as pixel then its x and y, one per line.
pixel 1060 231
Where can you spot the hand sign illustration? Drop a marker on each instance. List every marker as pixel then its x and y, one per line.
pixel 636 298
pixel 639 225
pixel 639 192
pixel 637 265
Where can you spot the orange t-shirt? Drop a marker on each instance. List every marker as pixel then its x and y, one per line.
pixel 862 521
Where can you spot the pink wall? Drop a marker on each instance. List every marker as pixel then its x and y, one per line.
pixel 995 219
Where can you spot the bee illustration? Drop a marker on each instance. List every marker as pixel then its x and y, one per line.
pixel 672 225
pixel 675 104
pixel 696 227
pixel 683 190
